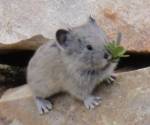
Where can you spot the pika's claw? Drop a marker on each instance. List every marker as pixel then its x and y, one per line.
pixel 111 79
pixel 43 105
pixel 113 76
pixel 92 101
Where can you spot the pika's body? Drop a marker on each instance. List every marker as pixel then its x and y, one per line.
pixel 75 63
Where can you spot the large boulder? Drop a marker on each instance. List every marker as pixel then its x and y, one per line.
pixel 22 20
pixel 28 44
pixel 127 102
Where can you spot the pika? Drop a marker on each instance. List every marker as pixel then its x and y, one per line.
pixel 76 62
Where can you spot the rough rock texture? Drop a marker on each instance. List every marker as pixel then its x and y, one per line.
pixel 21 20
pixel 125 103
pixel 29 44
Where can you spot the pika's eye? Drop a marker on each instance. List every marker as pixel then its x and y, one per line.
pixel 79 40
pixel 106 56
pixel 89 47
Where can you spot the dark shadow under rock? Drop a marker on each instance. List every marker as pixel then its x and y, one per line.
pixel 11 76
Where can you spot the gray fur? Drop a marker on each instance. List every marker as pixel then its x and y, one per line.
pixel 68 65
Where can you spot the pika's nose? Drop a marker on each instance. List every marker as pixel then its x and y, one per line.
pixel 89 47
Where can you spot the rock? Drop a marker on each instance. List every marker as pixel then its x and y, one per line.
pixel 28 44
pixel 126 102
pixel 22 20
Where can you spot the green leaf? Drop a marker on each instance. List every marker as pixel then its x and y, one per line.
pixel 116 50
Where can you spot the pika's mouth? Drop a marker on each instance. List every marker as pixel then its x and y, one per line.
pixel 91 72
pixel 100 65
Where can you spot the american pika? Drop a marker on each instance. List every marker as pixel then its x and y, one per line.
pixel 75 63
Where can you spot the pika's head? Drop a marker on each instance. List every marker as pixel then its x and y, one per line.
pixel 84 46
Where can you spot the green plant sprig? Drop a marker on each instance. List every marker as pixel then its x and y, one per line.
pixel 115 49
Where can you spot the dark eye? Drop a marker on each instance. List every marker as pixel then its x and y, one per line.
pixel 106 56
pixel 89 47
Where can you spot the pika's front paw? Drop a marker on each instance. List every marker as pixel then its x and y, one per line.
pixel 111 79
pixel 43 105
pixel 92 101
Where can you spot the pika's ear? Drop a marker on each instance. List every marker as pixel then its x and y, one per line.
pixel 61 36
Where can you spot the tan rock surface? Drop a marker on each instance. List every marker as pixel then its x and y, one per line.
pixel 125 103
pixel 29 44
pixel 21 20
